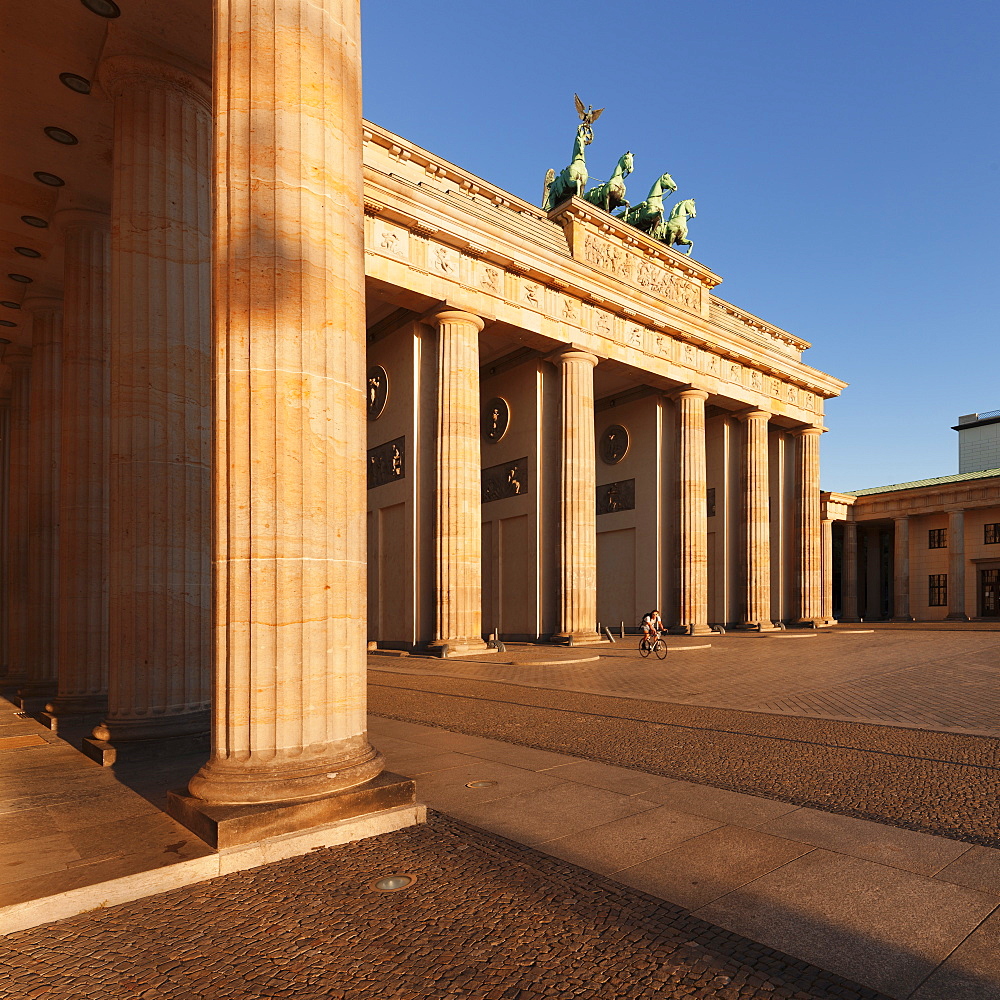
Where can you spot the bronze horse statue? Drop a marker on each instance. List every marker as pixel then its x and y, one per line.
pixel 674 230
pixel 611 194
pixel 649 213
pixel 573 179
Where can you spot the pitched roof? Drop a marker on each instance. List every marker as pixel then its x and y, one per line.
pixel 940 481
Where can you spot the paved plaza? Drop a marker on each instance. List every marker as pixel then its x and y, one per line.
pixel 606 827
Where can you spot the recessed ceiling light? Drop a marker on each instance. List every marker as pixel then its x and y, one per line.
pixel 23 278
pixel 78 83
pixel 61 135
pixel 11 305
pixel 105 8
pixel 4 340
pixel 7 322
pixel 27 252
pixel 51 179
pixel 33 220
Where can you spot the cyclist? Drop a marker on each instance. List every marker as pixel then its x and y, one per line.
pixel 652 625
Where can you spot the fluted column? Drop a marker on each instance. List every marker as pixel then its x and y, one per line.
pixel 83 478
pixel 693 512
pixel 457 500
pixel 43 496
pixel 807 525
pixel 158 562
pixel 5 489
pixel 577 500
pixel 849 574
pixel 289 717
pixel 826 560
pixel 901 570
pixel 956 566
pixel 756 524
pixel 18 504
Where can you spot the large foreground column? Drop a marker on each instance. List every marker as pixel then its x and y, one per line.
pixel 457 516
pixel 158 565
pixel 756 524
pixel 693 512
pixel 956 566
pixel 289 741
pixel 577 553
pixel 849 574
pixel 807 526
pixel 5 392
pixel 901 570
pixel 83 468
pixel 16 569
pixel 43 499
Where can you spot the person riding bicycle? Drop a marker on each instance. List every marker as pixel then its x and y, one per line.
pixel 652 625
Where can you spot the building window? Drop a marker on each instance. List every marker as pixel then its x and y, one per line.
pixel 991 534
pixel 937 538
pixel 710 495
pixel 937 590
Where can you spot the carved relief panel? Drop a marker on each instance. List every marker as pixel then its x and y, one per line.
pixel 386 463
pixel 614 497
pixel 507 480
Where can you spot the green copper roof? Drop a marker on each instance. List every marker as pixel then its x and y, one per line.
pixel 961 478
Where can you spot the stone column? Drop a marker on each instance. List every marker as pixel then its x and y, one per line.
pixel 83 482
pixel 289 741
pixel 756 522
pixel 826 561
pixel 577 553
pixel 807 504
pixel 159 531
pixel 901 570
pixel 693 512
pixel 5 489
pixel 43 500
pixel 18 504
pixel 457 515
pixel 849 574
pixel 956 566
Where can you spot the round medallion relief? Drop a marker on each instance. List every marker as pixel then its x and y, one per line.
pixel 378 391
pixel 496 417
pixel 613 444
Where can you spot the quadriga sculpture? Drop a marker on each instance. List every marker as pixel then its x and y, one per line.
pixel 573 179
pixel 674 229
pixel 649 213
pixel 611 194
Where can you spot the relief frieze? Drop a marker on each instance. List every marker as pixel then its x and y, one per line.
pixel 387 463
pixel 614 497
pixel 503 481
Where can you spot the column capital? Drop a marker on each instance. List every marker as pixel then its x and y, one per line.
pixel 118 73
pixel 807 430
pixel 17 357
pixel 82 218
pixel 43 303
pixel 575 354
pixel 753 414
pixel 901 517
pixel 459 316
pixel 688 392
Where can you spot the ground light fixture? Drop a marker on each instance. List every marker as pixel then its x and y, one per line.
pixel 103 8
pixel 33 220
pixel 60 135
pixel 79 84
pixel 53 180
pixel 393 883
pixel 481 783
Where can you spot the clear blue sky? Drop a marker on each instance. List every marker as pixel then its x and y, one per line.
pixel 844 157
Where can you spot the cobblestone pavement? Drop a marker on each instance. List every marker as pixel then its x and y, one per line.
pixel 484 919
pixel 934 782
pixel 910 675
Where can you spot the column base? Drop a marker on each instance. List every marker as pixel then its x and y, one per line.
pixel 107 753
pixel 692 628
pixel 958 616
pixel 903 618
pixel 457 648
pixel 849 621
pixel 585 637
pixel 34 697
pixel 223 826
pixel 72 708
pixel 761 626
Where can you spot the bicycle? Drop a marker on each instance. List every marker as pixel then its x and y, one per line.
pixel 657 646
